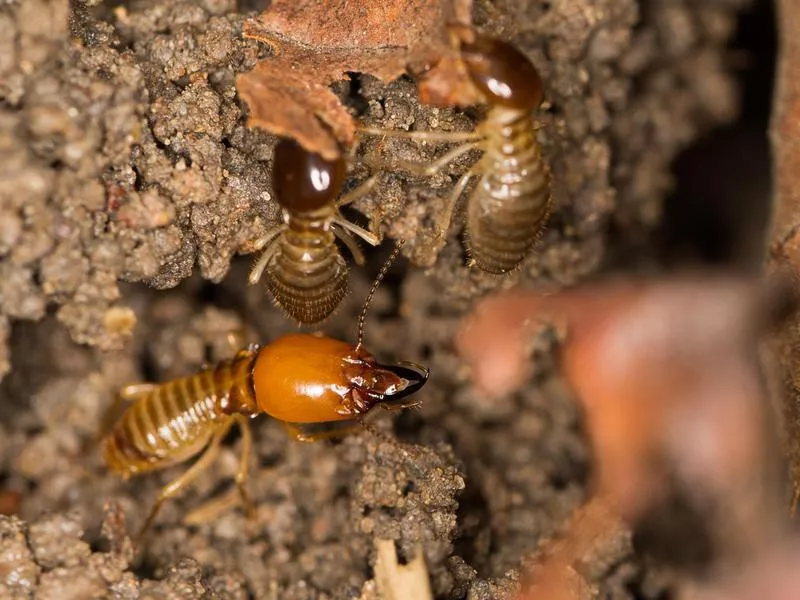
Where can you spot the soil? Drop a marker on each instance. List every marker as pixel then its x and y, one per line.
pixel 130 190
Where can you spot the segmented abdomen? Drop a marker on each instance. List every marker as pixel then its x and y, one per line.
pixel 307 276
pixel 511 202
pixel 176 419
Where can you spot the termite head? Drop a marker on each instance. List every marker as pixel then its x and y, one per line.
pixel 305 378
pixel 304 181
pixel 393 385
pixel 503 74
pixel 387 386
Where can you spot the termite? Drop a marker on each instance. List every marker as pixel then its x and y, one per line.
pixel 511 202
pixel 306 274
pixel 318 387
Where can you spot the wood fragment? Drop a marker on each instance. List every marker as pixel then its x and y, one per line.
pixel 401 582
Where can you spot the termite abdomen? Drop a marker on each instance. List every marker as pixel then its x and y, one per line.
pixel 308 278
pixel 172 421
pixel 511 202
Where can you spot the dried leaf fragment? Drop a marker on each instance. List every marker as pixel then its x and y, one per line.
pixel 318 43
pixel 358 25
pixel 447 84
pixel 287 104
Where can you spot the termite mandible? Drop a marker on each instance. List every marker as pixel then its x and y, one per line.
pixel 318 387
pixel 511 202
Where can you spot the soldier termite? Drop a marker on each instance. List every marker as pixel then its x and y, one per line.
pixel 306 273
pixel 511 202
pixel 318 387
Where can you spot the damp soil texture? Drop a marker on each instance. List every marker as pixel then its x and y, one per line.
pixel 131 192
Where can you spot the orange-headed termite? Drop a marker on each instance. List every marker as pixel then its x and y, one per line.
pixel 306 273
pixel 511 202
pixel 317 386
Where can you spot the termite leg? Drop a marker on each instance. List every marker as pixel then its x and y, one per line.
pixel 431 136
pixel 176 486
pixel 209 510
pixel 352 151
pixel 434 167
pixel 452 201
pixel 244 465
pixel 344 228
pixel 314 432
pixel 136 390
pixel 265 239
pixel 427 170
pixel 268 243
pixel 359 192
pixel 235 340
pixel 365 235
pixel 351 244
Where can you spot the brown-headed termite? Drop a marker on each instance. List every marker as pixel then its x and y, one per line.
pixel 318 387
pixel 306 274
pixel 511 202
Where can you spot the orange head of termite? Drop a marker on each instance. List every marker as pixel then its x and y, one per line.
pixel 304 181
pixel 305 378
pixel 503 74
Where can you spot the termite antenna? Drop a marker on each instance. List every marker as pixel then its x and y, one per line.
pixel 375 284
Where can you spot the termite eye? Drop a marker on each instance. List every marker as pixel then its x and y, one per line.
pixel 502 73
pixel 302 180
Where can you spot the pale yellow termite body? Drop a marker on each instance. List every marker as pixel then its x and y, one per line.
pixel 511 202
